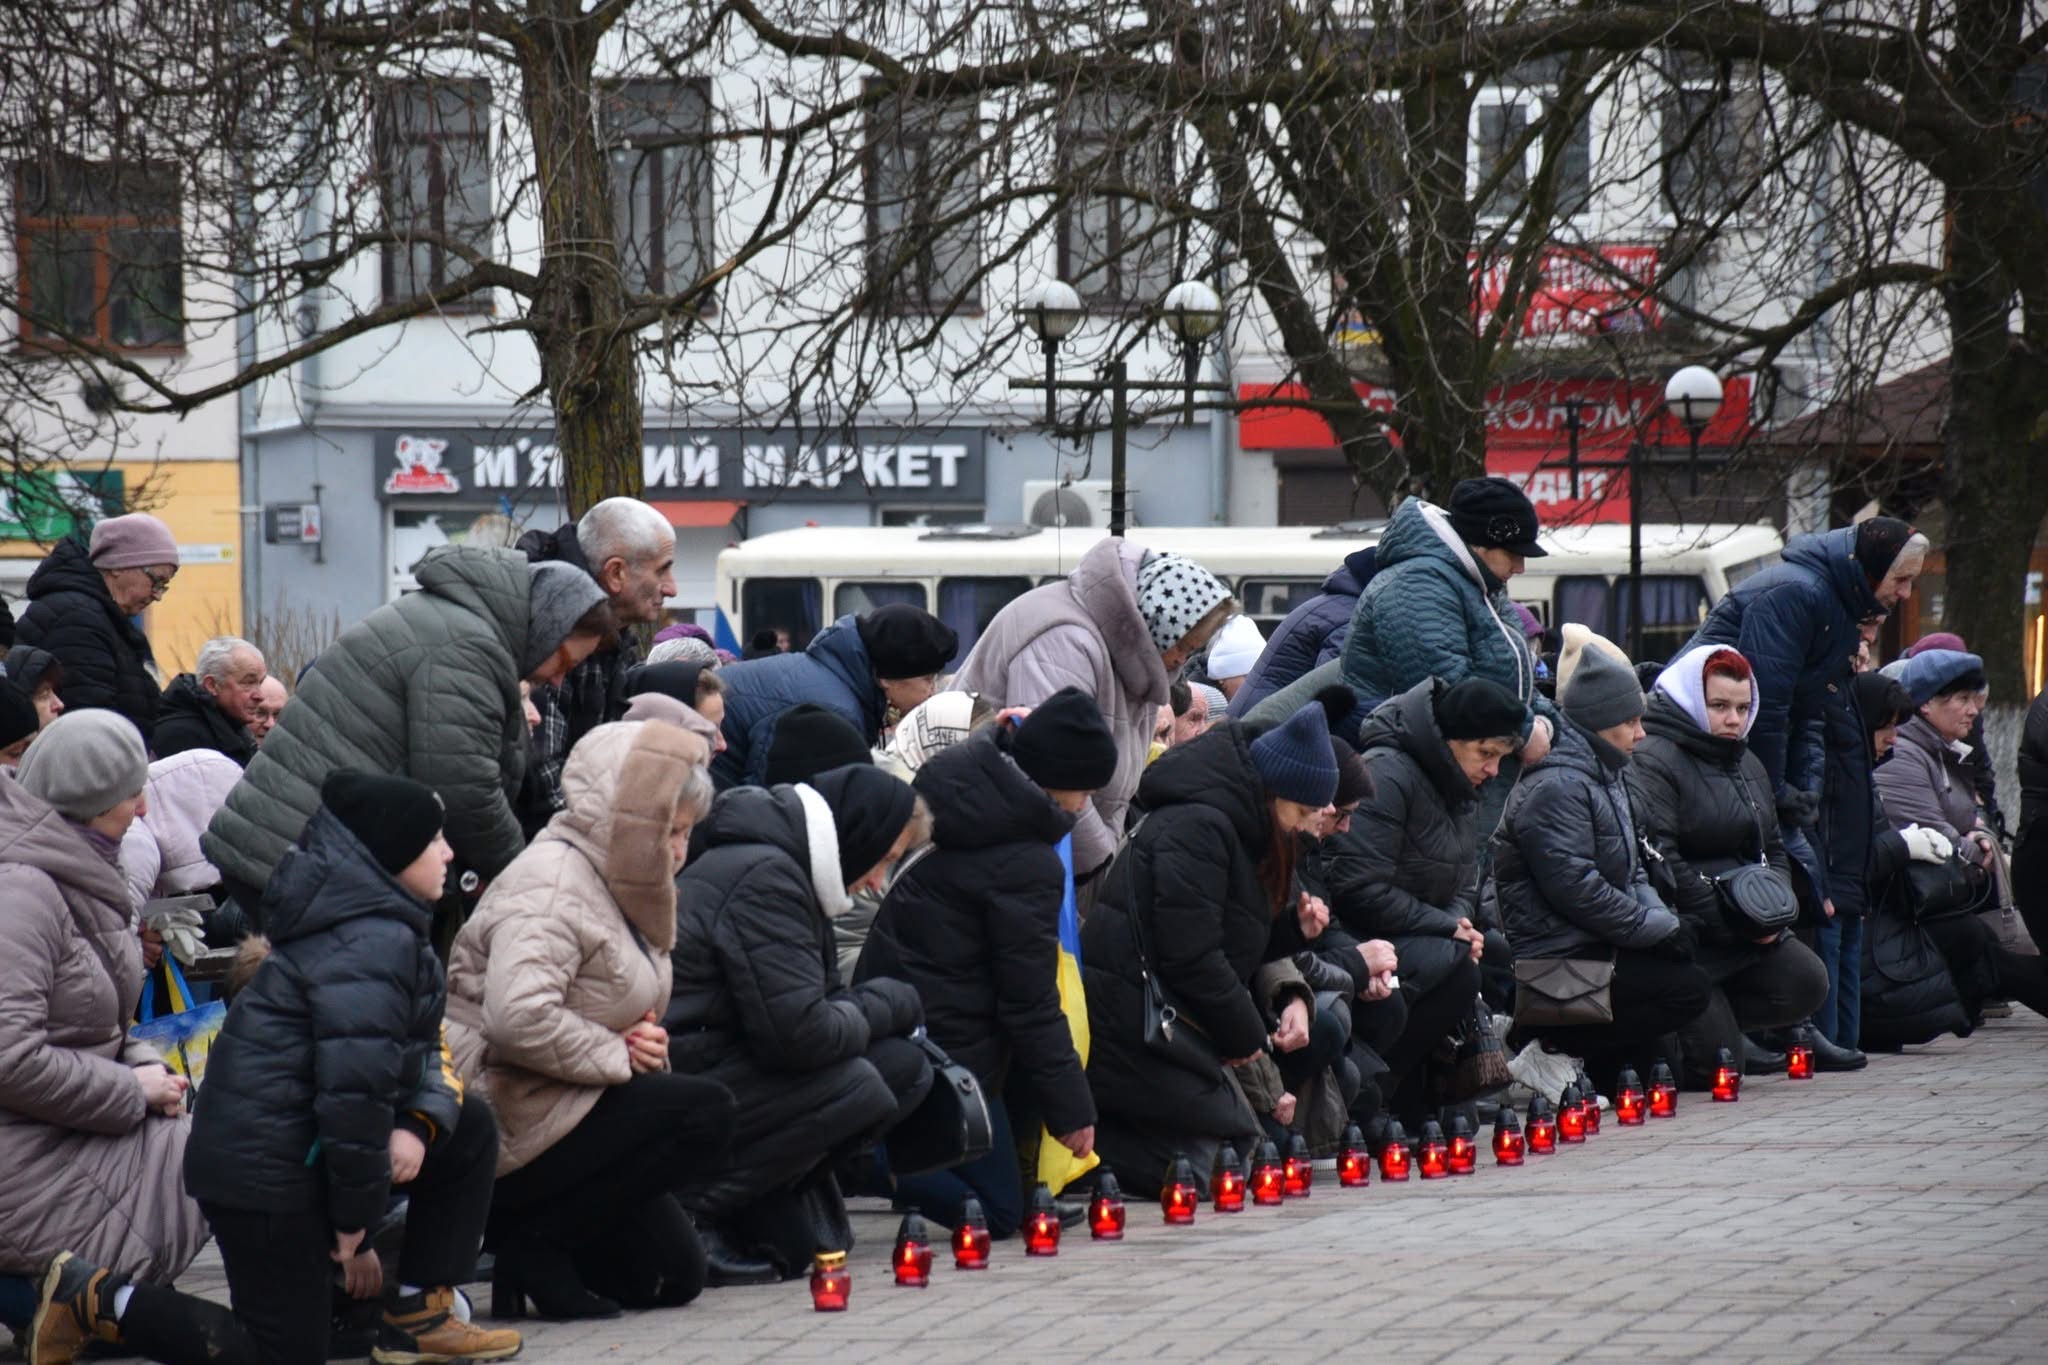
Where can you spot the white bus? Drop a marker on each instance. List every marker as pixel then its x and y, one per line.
pixel 794 582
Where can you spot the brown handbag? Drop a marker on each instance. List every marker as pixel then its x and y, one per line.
pixel 1560 992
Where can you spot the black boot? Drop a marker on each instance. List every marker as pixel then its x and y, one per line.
pixel 1826 1055
pixel 1760 1061
pixel 726 1265
pixel 544 1275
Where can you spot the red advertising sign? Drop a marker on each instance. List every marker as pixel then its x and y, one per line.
pixel 1527 429
pixel 1577 290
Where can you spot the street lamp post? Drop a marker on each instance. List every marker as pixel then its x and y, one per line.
pixel 1191 310
pixel 1694 395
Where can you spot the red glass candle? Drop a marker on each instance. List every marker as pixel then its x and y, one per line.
pixel 1509 1145
pixel 970 1247
pixel 1663 1101
pixel 1434 1157
pixel 912 1257
pixel 1042 1224
pixel 1106 1210
pixel 1629 1108
pixel 1799 1062
pixel 1354 1165
pixel 1269 1178
pixel 1543 1135
pixel 1227 1189
pixel 831 1282
pixel 1464 1154
pixel 1589 1109
pixel 1571 1123
pixel 1299 1170
pixel 1394 1159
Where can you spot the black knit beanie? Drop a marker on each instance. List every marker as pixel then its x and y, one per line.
pixel 869 810
pixel 903 641
pixel 1477 708
pixel 809 739
pixel 1064 744
pixel 395 817
pixel 674 678
pixel 18 718
pixel 1354 775
pixel 1878 542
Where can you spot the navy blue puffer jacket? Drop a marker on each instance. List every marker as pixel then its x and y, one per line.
pixel 1313 633
pixel 832 672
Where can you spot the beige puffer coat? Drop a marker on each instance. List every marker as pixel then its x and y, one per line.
pixel 570 945
pixel 87 1168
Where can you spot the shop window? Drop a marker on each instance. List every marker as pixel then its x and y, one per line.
pixel 923 181
pixel 434 166
pixel 1115 243
pixel 969 604
pixel 661 182
pixel 414 532
pixel 101 253
pixel 789 606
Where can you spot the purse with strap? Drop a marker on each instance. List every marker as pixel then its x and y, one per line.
pixel 951 1125
pixel 1167 1031
pixel 1754 895
pixel 1560 992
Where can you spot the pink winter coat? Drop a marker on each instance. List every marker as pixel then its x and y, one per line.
pixel 1085 632
pixel 84 1165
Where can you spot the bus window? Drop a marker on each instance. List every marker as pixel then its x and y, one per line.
pixel 858 599
pixel 969 604
pixel 1267 600
pixel 789 606
pixel 1673 607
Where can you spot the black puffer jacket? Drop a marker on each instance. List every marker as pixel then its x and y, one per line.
pixel 756 984
pixel 1565 863
pixel 336 1038
pixel 106 657
pixel 974 925
pixel 1705 805
pixel 1408 866
pixel 191 719
pixel 1190 875
pixel 1910 991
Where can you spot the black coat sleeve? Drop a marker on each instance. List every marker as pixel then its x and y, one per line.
pixel 1655 792
pixel 793 1015
pixel 361 1005
pixel 1024 946
pixel 1361 868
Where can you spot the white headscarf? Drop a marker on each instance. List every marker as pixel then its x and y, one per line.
pixel 939 722
pixel 1684 680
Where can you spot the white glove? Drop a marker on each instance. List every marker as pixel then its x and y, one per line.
pixel 1925 845
pixel 181 927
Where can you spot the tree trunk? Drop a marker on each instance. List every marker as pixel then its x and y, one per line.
pixel 586 357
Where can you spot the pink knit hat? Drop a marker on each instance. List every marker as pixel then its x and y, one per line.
pixel 1940 639
pixel 135 541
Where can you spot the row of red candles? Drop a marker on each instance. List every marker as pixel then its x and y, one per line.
pixel 1271 1179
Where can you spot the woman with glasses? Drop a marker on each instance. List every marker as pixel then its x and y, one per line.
pixel 83 603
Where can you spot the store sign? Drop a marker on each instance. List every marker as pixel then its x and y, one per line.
pixel 292 523
pixel 867 464
pixel 47 505
pixel 1577 290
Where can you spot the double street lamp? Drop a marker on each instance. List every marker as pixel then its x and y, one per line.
pixel 1191 310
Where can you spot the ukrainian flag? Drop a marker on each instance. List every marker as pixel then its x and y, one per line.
pixel 1057 1166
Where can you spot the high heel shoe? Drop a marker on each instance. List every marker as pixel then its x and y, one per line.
pixel 545 1277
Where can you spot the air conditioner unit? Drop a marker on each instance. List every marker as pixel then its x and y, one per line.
pixel 1071 502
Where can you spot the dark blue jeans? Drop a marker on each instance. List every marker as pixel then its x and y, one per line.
pixel 1839 945
pixel 992 1178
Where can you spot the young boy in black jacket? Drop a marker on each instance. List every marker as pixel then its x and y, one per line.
pixel 328 1085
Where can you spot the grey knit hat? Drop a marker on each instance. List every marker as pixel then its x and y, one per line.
pixel 561 594
pixel 86 763
pixel 1601 691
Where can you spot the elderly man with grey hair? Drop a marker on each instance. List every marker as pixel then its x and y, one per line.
pixel 212 707
pixel 630 549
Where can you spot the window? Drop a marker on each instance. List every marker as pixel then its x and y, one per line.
pixel 1710 126
pixel 969 604
pixel 923 181
pixel 1118 251
pixel 1673 607
pixel 100 251
pixel 788 606
pixel 414 531
pixel 434 164
pixel 1500 118
pixel 1268 600
pixel 661 182
pixel 858 599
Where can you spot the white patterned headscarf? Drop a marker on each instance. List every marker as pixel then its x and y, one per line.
pixel 1174 594
pixel 938 722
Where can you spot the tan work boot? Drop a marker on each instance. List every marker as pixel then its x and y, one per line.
pixel 421 1329
pixel 76 1306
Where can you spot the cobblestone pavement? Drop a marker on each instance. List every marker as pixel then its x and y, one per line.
pixel 1897 1212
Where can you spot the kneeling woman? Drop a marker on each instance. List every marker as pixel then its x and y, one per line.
pixel 974 926
pixel 1703 801
pixel 554 987
pixel 1192 901
pixel 758 1006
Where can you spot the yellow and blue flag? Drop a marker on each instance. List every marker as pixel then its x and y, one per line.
pixel 1057 1166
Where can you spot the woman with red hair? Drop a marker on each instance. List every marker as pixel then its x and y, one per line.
pixel 1703 804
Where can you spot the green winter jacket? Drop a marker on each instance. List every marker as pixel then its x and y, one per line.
pixel 426 687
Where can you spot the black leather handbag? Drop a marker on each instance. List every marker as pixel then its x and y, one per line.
pixel 1561 992
pixel 950 1126
pixel 1757 898
pixel 1944 889
pixel 1168 1032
